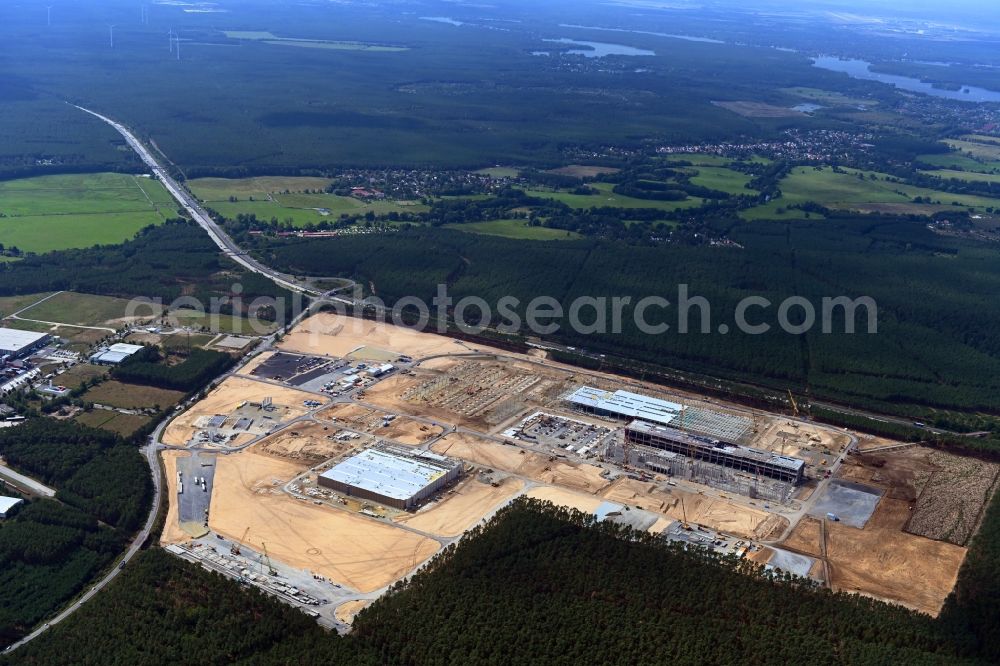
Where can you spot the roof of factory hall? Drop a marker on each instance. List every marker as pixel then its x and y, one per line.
pixel 391 474
pixel 626 404
pixel 704 443
pixel 14 340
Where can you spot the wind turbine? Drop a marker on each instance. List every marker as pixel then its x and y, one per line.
pixel 111 29
pixel 170 39
pixel 48 15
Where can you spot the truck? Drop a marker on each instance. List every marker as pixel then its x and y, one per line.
pixel 834 517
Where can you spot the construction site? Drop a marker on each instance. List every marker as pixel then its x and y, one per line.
pixel 357 487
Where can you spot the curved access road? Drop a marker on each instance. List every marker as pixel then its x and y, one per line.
pixel 201 216
pixel 134 547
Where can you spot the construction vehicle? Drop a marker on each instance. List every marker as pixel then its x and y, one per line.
pixel 235 548
pixel 266 560
pixel 795 405
pixel 684 524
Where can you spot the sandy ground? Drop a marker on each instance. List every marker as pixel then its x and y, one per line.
pixel 471 502
pixel 716 514
pixel 352 550
pixel 336 335
pixel 517 461
pixel 803 440
pixel 225 399
pixel 304 445
pixel 563 497
pixel 172 532
pixel 402 429
pixel 254 363
pixel 883 561
pixel 345 612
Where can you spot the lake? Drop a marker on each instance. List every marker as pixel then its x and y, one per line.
pixel 861 69
pixel 600 49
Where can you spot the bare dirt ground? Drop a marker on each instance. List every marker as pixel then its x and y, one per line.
pixel 336 335
pixel 758 110
pixel 882 561
pixel 306 445
pixel 802 440
pixel 352 550
pixel 872 441
pixel 226 397
pixel 345 612
pixel 716 514
pixel 563 497
pixel 511 459
pixel 472 500
pixel 947 492
pixel 952 502
pixel 172 532
pixel 402 429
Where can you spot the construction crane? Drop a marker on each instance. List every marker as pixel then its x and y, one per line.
pixel 795 405
pixel 685 515
pixel 235 548
pixel 267 560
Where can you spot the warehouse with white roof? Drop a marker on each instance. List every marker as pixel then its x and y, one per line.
pixel 624 405
pixel 18 344
pixel 391 476
pixel 115 354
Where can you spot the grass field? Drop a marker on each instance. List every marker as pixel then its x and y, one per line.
pixel 514 229
pixel 11 304
pixel 79 210
pixel 721 178
pixel 271 201
pixel 217 324
pixel 608 198
pixel 847 191
pixel 79 373
pixel 965 175
pixel 981 151
pixel 123 424
pixel 959 161
pixel 827 97
pixel 131 396
pixel 499 172
pixel 82 310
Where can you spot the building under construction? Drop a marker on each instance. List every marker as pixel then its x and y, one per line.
pixel 732 456
pixel 391 476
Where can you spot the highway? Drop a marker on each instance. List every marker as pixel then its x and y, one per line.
pixel 201 216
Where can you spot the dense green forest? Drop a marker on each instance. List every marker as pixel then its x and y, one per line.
pixel 536 584
pixel 200 367
pixel 935 307
pixel 52 548
pixel 162 262
pixel 91 469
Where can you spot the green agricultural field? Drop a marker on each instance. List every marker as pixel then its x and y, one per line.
pixel 965 175
pixel 219 323
pixel 699 159
pixel 847 191
pixel 302 208
pixel 499 172
pixel 131 396
pixel 123 424
pixel 79 210
pixel 828 97
pixel 721 178
pixel 514 229
pixel 608 198
pixel 955 160
pixel 220 189
pixel 186 340
pixel 981 151
pixel 82 310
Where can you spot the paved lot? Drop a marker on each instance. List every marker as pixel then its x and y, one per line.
pixel 852 503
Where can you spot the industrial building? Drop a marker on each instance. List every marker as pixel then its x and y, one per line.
pixel 624 405
pixel 115 354
pixel 8 503
pixel 741 458
pixel 18 344
pixel 391 476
